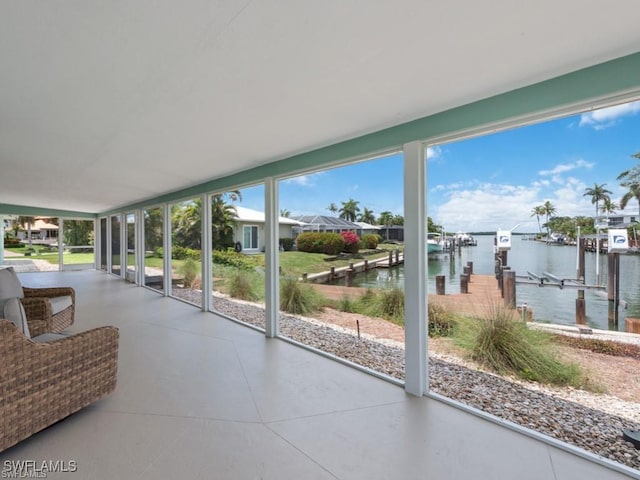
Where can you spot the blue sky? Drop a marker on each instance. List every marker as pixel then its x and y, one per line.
pixel 488 182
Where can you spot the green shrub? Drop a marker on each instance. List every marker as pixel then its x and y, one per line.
pixel 12 242
pixel 388 304
pixel 232 258
pixel 297 298
pixel 346 304
pixel 392 303
pixel 241 286
pixel 502 343
pixel 370 241
pixel 158 252
pixel 441 321
pixel 287 244
pixel 320 242
pixel 183 253
pixel 189 271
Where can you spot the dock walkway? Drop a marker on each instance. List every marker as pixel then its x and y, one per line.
pixel 483 297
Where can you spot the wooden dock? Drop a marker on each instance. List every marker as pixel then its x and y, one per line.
pixel 483 297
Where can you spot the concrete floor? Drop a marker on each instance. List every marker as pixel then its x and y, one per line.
pixel 199 396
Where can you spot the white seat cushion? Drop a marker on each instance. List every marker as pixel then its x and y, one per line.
pixel 10 285
pixel 58 304
pixel 12 310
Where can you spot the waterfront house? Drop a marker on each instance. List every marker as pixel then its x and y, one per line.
pixel 248 232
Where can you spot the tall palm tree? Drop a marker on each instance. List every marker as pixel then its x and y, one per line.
pixel 631 176
pixel 548 210
pixel 386 219
pixel 349 210
pixel 367 216
pixel 634 192
pixel 608 206
pixel 333 208
pixel 597 193
pixel 222 220
pixel 537 212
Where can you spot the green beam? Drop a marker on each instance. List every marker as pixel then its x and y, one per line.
pixel 8 209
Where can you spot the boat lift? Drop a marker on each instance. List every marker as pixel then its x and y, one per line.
pixel 551 280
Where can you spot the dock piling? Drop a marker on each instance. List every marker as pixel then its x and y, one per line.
pixel 464 283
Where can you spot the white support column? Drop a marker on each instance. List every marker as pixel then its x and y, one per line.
pixel 271 250
pixel 109 240
pixel 166 247
pixel 97 244
pixel 206 255
pixel 140 244
pixel 416 372
pixel 60 244
pixel 124 245
pixel 1 239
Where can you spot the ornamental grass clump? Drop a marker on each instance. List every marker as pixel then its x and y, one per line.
pixel 502 343
pixel 298 298
pixel 189 271
pixel 241 286
pixel 441 321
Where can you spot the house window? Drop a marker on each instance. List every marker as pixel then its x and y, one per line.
pixel 250 237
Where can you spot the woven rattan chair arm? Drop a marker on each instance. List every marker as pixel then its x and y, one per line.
pixel 50 292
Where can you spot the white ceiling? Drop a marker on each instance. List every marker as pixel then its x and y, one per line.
pixel 104 103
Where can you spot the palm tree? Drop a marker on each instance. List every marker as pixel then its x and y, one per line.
pixel 285 213
pixel 634 192
pixel 333 208
pixel 608 206
pixel 222 219
pixel 349 210
pixel 548 209
pixel 386 219
pixel 367 216
pixel 631 176
pixel 597 193
pixel 537 211
pixel 27 221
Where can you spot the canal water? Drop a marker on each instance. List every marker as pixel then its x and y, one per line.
pixel 549 304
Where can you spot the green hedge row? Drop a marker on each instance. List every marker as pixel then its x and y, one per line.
pixel 320 242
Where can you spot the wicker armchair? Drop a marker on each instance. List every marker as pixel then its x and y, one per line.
pixel 37 305
pixel 42 383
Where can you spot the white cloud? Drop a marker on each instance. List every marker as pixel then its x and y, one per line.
pixel 433 153
pixel 566 167
pixel 487 208
pixel 608 117
pixel 490 206
pixel 304 180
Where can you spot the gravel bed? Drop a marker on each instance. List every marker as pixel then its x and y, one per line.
pixel 535 408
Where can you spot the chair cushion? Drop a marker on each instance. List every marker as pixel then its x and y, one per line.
pixel 48 337
pixel 10 285
pixel 12 310
pixel 58 304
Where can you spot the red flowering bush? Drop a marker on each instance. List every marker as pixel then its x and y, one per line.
pixel 351 242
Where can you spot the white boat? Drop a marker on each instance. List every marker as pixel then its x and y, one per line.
pixel 435 244
pixel 464 239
